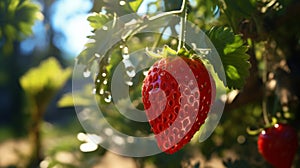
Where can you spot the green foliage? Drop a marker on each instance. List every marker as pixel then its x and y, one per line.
pixel 205 12
pixel 232 23
pixel 97 20
pixel 233 54
pixel 118 7
pixel 48 77
pixel 41 84
pixel 236 11
pixel 82 95
pixel 135 4
pixel 16 20
pixel 241 8
pixel 231 47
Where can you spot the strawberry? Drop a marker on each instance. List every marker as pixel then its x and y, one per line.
pixel 278 145
pixel 177 95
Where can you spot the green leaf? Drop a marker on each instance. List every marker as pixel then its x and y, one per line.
pixel 25 28
pixel 82 97
pixel 237 10
pixel 16 20
pixel 97 20
pixel 10 31
pixel 13 5
pixel 232 51
pixel 241 8
pixel 48 76
pixel 135 4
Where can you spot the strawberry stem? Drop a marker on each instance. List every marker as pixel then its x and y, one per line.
pixel 159 39
pixel 183 20
pixel 265 80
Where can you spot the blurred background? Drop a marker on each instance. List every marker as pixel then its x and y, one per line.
pixel 40 39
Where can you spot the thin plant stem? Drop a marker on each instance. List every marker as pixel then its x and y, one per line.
pixel 181 40
pixel 265 79
pixel 159 39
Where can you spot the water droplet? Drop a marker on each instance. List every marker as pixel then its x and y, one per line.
pixel 105 82
pixel 108 131
pixel 118 140
pixel 129 83
pixel 94 91
pixel 127 63
pixel 97 55
pixel 94 138
pixel 122 3
pixel 98 80
pixel 107 97
pixel 105 28
pixel 204 51
pixel 86 73
pixel 125 56
pixel 103 74
pixel 101 92
pixel 88 147
pixel 81 136
pixel 130 139
pixel 131 73
pixel 125 50
pixel 145 73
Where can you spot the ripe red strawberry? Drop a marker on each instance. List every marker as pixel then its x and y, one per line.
pixel 278 145
pixel 177 95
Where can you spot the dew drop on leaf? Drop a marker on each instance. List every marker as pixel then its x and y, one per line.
pixel 125 52
pixel 129 83
pixel 86 73
pixel 94 91
pixel 104 28
pixel 105 82
pixel 107 97
pixel 125 56
pixel 131 73
pixel 122 3
pixel 127 63
pixel 101 92
pixel 97 55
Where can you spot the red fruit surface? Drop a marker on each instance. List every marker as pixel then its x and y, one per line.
pixel 177 96
pixel 278 145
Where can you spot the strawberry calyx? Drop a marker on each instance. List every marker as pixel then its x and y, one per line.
pixel 166 52
pixel 169 52
pixel 259 130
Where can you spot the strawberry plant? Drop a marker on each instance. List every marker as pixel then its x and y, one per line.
pixel 155 76
pixel 251 66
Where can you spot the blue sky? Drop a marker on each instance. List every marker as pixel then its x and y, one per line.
pixel 69 18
